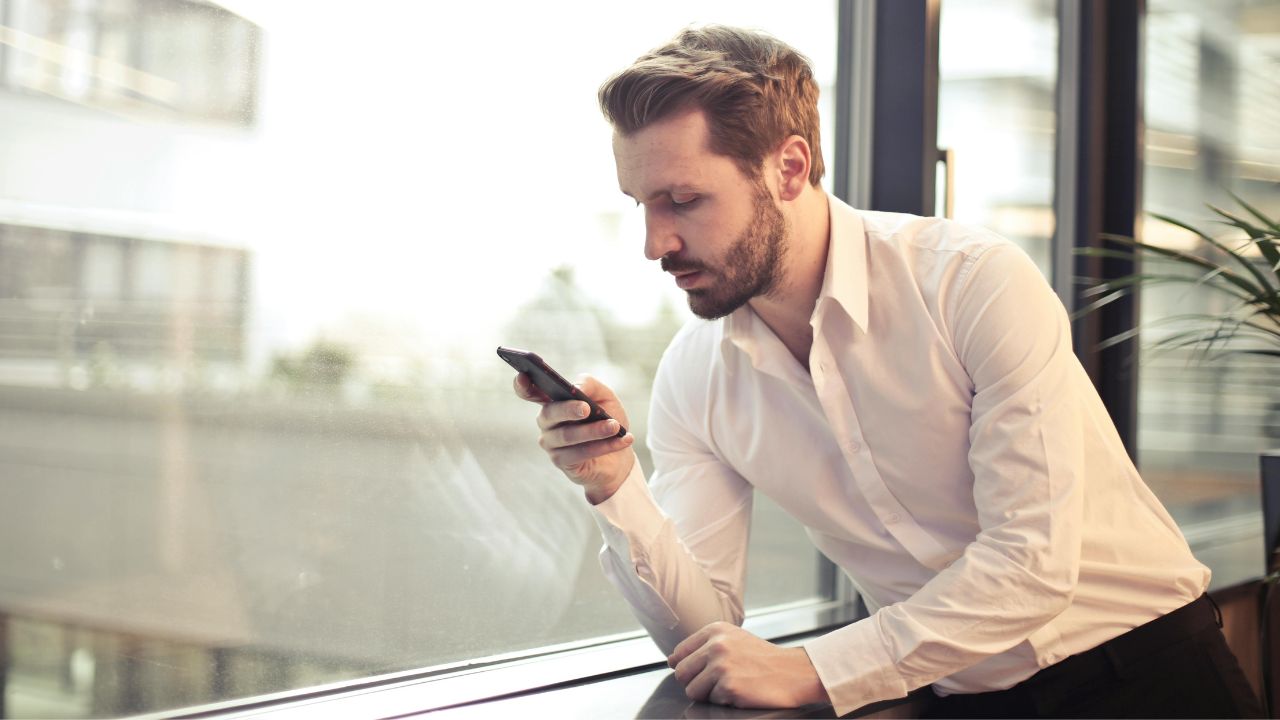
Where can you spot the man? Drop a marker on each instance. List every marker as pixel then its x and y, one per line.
pixel 903 386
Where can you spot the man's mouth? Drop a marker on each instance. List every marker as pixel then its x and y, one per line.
pixel 686 279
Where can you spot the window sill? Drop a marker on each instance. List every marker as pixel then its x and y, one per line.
pixel 646 693
pixel 609 679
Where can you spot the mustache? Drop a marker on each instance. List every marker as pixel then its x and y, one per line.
pixel 673 264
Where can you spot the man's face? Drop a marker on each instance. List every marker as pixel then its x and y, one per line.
pixel 716 230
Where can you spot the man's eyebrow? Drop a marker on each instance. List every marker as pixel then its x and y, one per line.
pixel 677 189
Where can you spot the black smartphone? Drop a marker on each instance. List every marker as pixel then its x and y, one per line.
pixel 546 379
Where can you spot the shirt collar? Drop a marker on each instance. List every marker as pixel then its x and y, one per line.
pixel 845 278
pixel 844 281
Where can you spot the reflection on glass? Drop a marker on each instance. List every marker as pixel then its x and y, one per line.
pixel 1212 98
pixel 178 59
pixel 996 116
pixel 254 261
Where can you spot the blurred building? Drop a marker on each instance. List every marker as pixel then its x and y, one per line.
pixel 108 113
pixel 88 309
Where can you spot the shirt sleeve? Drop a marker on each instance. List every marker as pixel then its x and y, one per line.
pixel 676 549
pixel 1012 335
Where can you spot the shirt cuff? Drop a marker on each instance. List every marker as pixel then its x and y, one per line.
pixel 630 519
pixel 855 667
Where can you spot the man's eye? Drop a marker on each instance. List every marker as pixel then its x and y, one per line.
pixel 684 204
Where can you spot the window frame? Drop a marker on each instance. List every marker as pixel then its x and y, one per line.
pixel 481 679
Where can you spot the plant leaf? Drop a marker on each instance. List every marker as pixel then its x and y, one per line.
pixel 1274 225
pixel 1117 339
pixel 1207 280
pixel 1263 291
pixel 1248 265
pixel 1214 330
pixel 1100 302
pixel 1209 331
pixel 1259 236
pixel 1107 252
pixel 1235 221
pixel 1250 326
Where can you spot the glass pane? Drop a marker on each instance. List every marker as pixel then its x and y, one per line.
pixel 178 59
pixel 1212 98
pixel 253 269
pixel 996 115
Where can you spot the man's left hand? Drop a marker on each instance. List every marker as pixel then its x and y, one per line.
pixel 724 664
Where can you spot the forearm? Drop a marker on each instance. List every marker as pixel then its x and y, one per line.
pixel 668 589
pixel 976 609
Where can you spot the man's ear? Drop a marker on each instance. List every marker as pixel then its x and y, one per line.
pixel 794 162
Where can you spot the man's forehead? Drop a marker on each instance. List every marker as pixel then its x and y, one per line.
pixel 669 156
pixel 652 177
pixel 687 131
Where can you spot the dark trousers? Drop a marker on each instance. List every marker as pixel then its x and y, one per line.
pixel 1176 666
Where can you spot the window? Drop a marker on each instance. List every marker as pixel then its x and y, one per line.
pixel 996 117
pixel 1211 100
pixel 256 436
pixel 178 59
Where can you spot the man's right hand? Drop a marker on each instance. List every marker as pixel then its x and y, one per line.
pixel 588 453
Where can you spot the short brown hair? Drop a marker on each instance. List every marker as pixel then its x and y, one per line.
pixel 755 89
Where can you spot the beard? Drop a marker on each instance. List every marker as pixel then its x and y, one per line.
pixel 750 268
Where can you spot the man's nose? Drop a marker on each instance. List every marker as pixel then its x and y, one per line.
pixel 660 237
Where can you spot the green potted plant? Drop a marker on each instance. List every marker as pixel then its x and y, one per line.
pixel 1247 272
pixel 1244 273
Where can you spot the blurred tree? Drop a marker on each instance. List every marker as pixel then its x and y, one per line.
pixel 561 323
pixel 324 366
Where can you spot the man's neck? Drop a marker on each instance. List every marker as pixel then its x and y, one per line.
pixel 789 308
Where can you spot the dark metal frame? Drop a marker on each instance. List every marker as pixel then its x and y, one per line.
pixel 1099 184
pixel 905 134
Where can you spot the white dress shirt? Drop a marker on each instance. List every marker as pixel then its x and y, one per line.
pixel 946 450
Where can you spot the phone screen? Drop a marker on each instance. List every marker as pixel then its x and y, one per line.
pixel 552 383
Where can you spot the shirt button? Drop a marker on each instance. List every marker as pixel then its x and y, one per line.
pixel 852 445
pixel 892 518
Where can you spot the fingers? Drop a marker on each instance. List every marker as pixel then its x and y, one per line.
pixel 574 433
pixel 697 664
pixel 553 413
pixel 558 413
pixel 688 669
pixel 526 390
pixel 574 455
pixel 570 442
pixel 689 645
pixel 594 389
pixel 702 687
pixel 702 676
